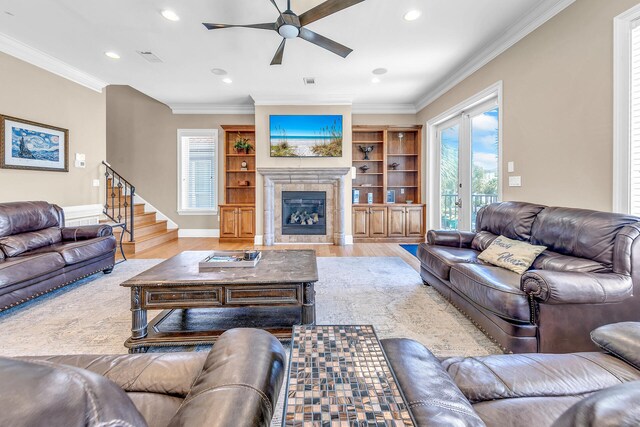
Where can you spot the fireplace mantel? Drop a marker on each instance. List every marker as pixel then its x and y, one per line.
pixel 281 176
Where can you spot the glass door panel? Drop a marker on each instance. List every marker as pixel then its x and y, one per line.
pixel 449 177
pixel 484 161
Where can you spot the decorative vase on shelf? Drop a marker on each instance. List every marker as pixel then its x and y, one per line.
pixel 394 165
pixel 366 151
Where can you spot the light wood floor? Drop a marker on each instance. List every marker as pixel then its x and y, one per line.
pixel 172 248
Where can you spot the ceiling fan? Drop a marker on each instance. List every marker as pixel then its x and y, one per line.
pixel 289 26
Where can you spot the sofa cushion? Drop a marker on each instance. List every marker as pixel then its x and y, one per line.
pixel 439 259
pixel 45 394
pixel 19 243
pixel 23 268
pixel 553 261
pixel 511 254
pixel 82 250
pixel 494 288
pixel 21 217
pixel 510 219
pixel 620 339
pixel 580 232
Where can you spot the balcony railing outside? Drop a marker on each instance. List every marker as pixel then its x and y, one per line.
pixel 449 210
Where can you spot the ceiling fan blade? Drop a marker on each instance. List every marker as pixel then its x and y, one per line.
pixel 274 3
pixel 324 42
pixel 325 9
pixel 277 58
pixel 268 26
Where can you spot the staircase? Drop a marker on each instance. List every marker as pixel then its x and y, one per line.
pixel 142 230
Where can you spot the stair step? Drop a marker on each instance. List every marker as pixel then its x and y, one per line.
pixel 144 218
pixel 141 230
pixel 138 208
pixel 149 241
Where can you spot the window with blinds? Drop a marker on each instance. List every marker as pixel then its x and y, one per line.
pixel 634 164
pixel 198 171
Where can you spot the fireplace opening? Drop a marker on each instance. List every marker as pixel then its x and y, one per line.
pixel 304 213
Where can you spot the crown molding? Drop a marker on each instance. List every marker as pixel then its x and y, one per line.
pixel 212 109
pixel 540 14
pixel 303 100
pixel 36 57
pixel 383 109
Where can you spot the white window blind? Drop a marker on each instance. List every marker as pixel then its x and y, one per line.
pixel 198 183
pixel 634 165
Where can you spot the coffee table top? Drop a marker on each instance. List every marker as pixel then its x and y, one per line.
pixel 280 266
pixel 339 376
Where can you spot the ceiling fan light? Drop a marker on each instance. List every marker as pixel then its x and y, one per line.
pixel 288 31
pixel 412 15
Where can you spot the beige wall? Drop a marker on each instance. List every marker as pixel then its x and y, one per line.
pixel 264 160
pixel 558 107
pixel 31 93
pixel 142 146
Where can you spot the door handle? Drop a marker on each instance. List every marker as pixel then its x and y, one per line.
pixel 458 203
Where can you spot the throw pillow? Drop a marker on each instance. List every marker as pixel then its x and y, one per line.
pixel 513 255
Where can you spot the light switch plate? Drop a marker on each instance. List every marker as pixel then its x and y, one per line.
pixel 515 181
pixel 96 183
pixel 510 167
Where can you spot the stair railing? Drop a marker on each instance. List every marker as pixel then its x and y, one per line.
pixel 119 200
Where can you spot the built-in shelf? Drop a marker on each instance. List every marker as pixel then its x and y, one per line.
pixel 368 142
pixel 402 186
pixel 240 155
pixel 367 186
pixel 241 171
pixel 370 173
pixel 241 187
pixel 368 161
pixel 402 155
pixel 402 170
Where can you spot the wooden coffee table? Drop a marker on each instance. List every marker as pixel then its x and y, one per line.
pixel 198 307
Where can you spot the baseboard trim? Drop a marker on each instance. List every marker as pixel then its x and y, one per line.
pixel 258 240
pixel 199 232
pixel 348 239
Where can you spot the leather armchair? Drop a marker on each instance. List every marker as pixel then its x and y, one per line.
pixel 577 389
pixel 236 384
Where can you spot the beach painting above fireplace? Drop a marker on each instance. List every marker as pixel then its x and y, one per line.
pixel 306 136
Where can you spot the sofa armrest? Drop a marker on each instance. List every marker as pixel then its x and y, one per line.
pixel 458 239
pixel 569 287
pixel 431 394
pixel 86 232
pixel 239 383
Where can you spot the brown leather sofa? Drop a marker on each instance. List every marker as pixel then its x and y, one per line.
pixel 522 390
pixel 236 384
pixel 39 254
pixel 588 276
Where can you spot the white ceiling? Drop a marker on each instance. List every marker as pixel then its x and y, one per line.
pixel 419 55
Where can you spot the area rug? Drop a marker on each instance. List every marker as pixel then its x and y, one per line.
pixel 412 249
pixel 92 315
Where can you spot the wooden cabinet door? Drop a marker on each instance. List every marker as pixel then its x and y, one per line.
pixel 378 221
pixel 396 221
pixel 414 220
pixel 246 222
pixel 228 222
pixel 360 221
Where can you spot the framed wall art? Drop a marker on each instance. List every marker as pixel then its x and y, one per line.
pixel 305 136
pixel 35 146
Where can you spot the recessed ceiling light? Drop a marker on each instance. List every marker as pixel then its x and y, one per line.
pixel 227 80
pixel 375 80
pixel 412 15
pixel 219 72
pixel 379 71
pixel 170 15
pixel 112 55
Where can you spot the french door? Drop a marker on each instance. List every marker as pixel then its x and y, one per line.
pixel 468 168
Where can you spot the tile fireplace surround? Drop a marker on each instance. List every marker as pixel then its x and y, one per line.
pixel 330 180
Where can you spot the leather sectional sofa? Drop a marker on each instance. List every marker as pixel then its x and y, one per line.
pixel 39 254
pixel 588 276
pixel 522 390
pixel 236 384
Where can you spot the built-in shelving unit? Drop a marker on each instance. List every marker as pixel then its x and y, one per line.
pixel 237 213
pixel 382 220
